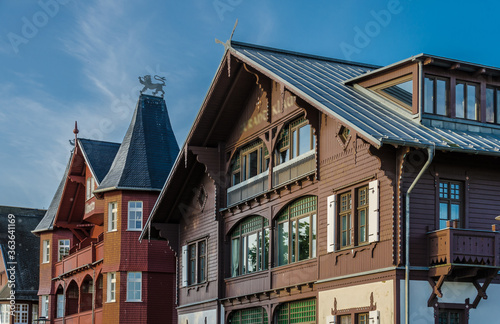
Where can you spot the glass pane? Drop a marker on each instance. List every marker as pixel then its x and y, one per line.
pixel 294 240
pixel 244 257
pixel 266 250
pixel 344 230
pixel 441 96
pixel 236 178
pixel 497 110
pixel 305 139
pixel 304 225
pixel 362 225
pixel 294 144
pixel 252 253
pixel 283 243
pixel 245 171
pixel 252 164
pixel 313 236
pixel 490 105
pixel 471 102
pixel 459 101
pixel 428 96
pixel 402 92
pixel 235 257
pixel 455 211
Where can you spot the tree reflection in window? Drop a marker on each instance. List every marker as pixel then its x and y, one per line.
pixel 250 246
pixel 296 231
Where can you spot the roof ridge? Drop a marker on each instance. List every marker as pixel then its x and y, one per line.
pixel 313 56
pixel 93 140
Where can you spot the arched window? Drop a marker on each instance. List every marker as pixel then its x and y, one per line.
pixel 250 246
pixel 60 302
pixel 301 311
pixel 257 315
pixel 72 298
pixel 296 231
pixel 86 299
pixel 98 291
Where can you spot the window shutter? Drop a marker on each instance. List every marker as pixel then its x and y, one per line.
pixel 330 238
pixel 373 212
pixel 374 317
pixel 330 319
pixel 184 268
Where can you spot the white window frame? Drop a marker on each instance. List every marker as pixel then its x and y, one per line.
pixel 60 305
pixel 20 310
pixel 45 306
pixel 34 314
pixel 134 213
pixel 111 287
pixel 89 188
pixel 62 244
pixel 46 251
pixel 132 279
pixel 4 313
pixel 112 216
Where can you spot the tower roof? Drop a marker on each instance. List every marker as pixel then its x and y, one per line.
pixel 148 150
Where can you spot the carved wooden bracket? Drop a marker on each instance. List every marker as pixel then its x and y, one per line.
pixel 353 252
pixel 77 179
pixel 372 307
pixel 170 232
pixel 210 157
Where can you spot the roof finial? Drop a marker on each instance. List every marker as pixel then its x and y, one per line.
pixel 227 46
pixel 76 131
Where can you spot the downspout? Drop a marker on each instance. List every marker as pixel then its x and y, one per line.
pixel 93 295
pixel 430 152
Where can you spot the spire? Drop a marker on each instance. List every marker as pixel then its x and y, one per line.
pixel 148 150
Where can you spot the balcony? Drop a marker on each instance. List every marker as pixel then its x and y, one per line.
pixel 248 188
pixel 94 211
pixel 82 318
pixel 464 247
pixel 79 257
pixel 295 168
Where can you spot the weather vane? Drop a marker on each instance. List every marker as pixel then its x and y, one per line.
pixel 148 84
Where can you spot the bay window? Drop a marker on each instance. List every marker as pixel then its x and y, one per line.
pixel 295 139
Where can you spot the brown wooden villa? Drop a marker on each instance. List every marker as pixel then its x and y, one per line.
pixel 310 188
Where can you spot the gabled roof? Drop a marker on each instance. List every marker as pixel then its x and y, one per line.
pixel 47 222
pixel 27 251
pixel 147 152
pixel 99 156
pixel 321 82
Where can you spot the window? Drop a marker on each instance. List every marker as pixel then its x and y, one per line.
pixel 302 311
pixel 250 161
pixel 250 246
pixel 89 188
pixel 399 90
pixel 492 105
pixel 345 319
pixel 34 314
pixel 295 139
pixel 63 249
pixel 134 286
pixel 46 251
pixel 467 100
pixel 60 305
pixel 257 315
pixel 111 286
pixel 135 215
pixel 450 202
pixel 112 216
pixel 4 313
pixel 21 314
pixel 353 217
pixel 436 95
pixel 296 231
pixel 45 306
pixel 194 263
pixel 451 317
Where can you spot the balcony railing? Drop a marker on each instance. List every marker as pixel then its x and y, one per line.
pixel 82 318
pixel 295 168
pixel 464 246
pixel 87 255
pixel 248 188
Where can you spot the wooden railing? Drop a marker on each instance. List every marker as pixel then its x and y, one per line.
pixel 464 246
pixel 84 256
pixel 295 168
pixel 248 188
pixel 81 318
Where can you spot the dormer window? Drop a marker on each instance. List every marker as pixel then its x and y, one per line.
pixel 436 95
pixel 467 100
pixel 399 90
pixel 492 105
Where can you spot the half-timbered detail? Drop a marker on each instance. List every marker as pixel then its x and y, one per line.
pixel 317 173
pixel 93 269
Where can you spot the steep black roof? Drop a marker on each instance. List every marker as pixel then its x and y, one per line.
pixel 48 220
pixel 100 156
pixel 148 150
pixel 27 250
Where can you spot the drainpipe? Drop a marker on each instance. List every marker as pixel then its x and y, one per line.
pixel 93 295
pixel 430 152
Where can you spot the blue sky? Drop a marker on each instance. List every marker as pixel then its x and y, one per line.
pixel 67 60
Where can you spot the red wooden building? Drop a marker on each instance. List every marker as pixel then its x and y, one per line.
pixel 92 267
pixel 310 188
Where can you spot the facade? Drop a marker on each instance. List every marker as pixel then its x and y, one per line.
pixel 19 265
pixel 92 267
pixel 315 190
